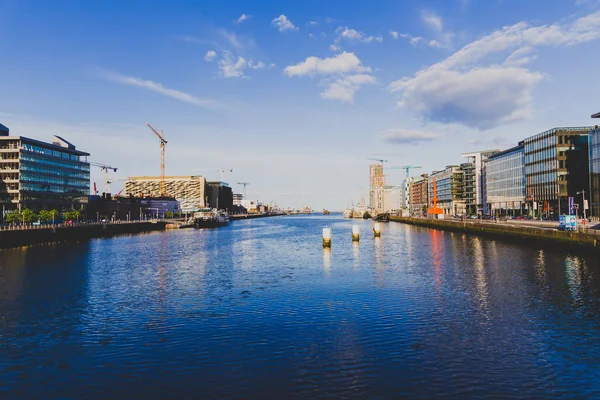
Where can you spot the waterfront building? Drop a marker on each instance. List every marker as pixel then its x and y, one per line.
pixel 594 155
pixel 219 195
pixel 41 175
pixel 505 181
pixel 475 200
pixel 449 190
pixel 189 191
pixel 469 188
pixel 419 195
pixel 376 183
pixel 238 199
pixel 391 198
pixel 556 168
pixel 129 208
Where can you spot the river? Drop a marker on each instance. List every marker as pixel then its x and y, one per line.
pixel 259 309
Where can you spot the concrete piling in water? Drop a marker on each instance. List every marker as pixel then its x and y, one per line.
pixel 326 237
pixel 355 233
pixel 377 229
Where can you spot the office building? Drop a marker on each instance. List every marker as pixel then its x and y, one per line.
pixel 238 199
pixel 376 183
pixel 391 198
pixel 556 168
pixel 40 175
pixel 189 191
pixel 419 195
pixel 594 151
pixel 475 200
pixel 505 181
pixel 219 196
pixel 449 190
pixel 469 192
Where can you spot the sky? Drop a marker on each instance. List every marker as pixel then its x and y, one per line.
pixel 295 96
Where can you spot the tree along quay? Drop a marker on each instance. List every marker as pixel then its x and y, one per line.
pixel 506 231
pixel 18 236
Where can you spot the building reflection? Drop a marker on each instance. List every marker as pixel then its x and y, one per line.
pixel 356 254
pixel 480 273
pixel 437 251
pixel 379 259
pixel 574 267
pixel 326 261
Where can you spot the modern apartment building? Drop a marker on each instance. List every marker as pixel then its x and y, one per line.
pixel 190 191
pixel 594 150
pixel 469 192
pixel 219 195
pixel 556 168
pixel 419 195
pixel 450 189
pixel 475 201
pixel 505 181
pixel 40 175
pixel 376 183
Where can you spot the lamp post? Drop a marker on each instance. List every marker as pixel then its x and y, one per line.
pixel 583 206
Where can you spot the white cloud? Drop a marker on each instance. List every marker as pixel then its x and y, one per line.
pixel 393 34
pixel 283 24
pixel 243 18
pixel 343 89
pixel 418 41
pixel 159 88
pixel 232 38
pixel 313 23
pixel 353 36
pixel 407 136
pixel 347 69
pixel 342 63
pixel 231 66
pixel 431 19
pixel 443 39
pixel 210 55
pixel 484 84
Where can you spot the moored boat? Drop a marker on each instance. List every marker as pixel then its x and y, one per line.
pixel 210 218
pixel 348 213
pixel 326 212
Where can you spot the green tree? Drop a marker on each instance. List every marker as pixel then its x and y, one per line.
pixel 13 218
pixel 169 214
pixel 28 216
pixel 45 215
pixel 72 215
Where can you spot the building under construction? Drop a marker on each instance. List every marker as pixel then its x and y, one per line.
pixel 376 183
pixel 190 191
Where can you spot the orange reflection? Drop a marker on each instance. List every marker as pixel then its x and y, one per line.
pixel 437 250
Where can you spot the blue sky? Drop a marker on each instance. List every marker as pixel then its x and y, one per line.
pixel 295 95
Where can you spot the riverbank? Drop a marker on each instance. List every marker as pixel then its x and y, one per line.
pixel 53 234
pixel 508 231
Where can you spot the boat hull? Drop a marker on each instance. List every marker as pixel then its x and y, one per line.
pixel 209 223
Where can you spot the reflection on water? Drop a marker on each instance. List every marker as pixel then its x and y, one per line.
pixel 259 307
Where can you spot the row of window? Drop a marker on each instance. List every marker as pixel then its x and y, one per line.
pixel 50 152
pixel 52 188
pixel 27 177
pixel 48 170
pixel 63 163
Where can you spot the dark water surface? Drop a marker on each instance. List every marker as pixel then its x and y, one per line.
pixel 260 310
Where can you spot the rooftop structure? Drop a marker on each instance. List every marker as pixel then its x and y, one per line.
pixel 41 175
pixel 597 115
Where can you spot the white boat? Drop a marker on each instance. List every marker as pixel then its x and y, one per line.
pixel 348 213
pixel 361 211
pixel 210 218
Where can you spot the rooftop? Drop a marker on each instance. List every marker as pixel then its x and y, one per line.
pixel 597 115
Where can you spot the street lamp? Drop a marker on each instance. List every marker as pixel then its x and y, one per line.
pixel 584 205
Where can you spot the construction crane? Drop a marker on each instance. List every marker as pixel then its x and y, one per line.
pixel 379 160
pixel 222 171
pixel 406 168
pixel 245 194
pixel 163 142
pixel 104 168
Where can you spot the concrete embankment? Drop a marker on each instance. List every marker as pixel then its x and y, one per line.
pixel 27 237
pixel 252 216
pixel 503 230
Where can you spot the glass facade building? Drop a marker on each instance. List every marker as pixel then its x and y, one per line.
pixel 594 151
pixel 556 167
pixel 505 181
pixel 39 175
pixel 450 189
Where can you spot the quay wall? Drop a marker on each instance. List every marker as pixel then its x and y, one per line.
pixel 44 235
pixel 509 232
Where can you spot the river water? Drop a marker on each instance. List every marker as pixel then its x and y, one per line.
pixel 260 310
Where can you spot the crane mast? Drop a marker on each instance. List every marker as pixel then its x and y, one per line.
pixel 163 142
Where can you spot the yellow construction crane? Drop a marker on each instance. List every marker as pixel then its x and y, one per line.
pixel 163 142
